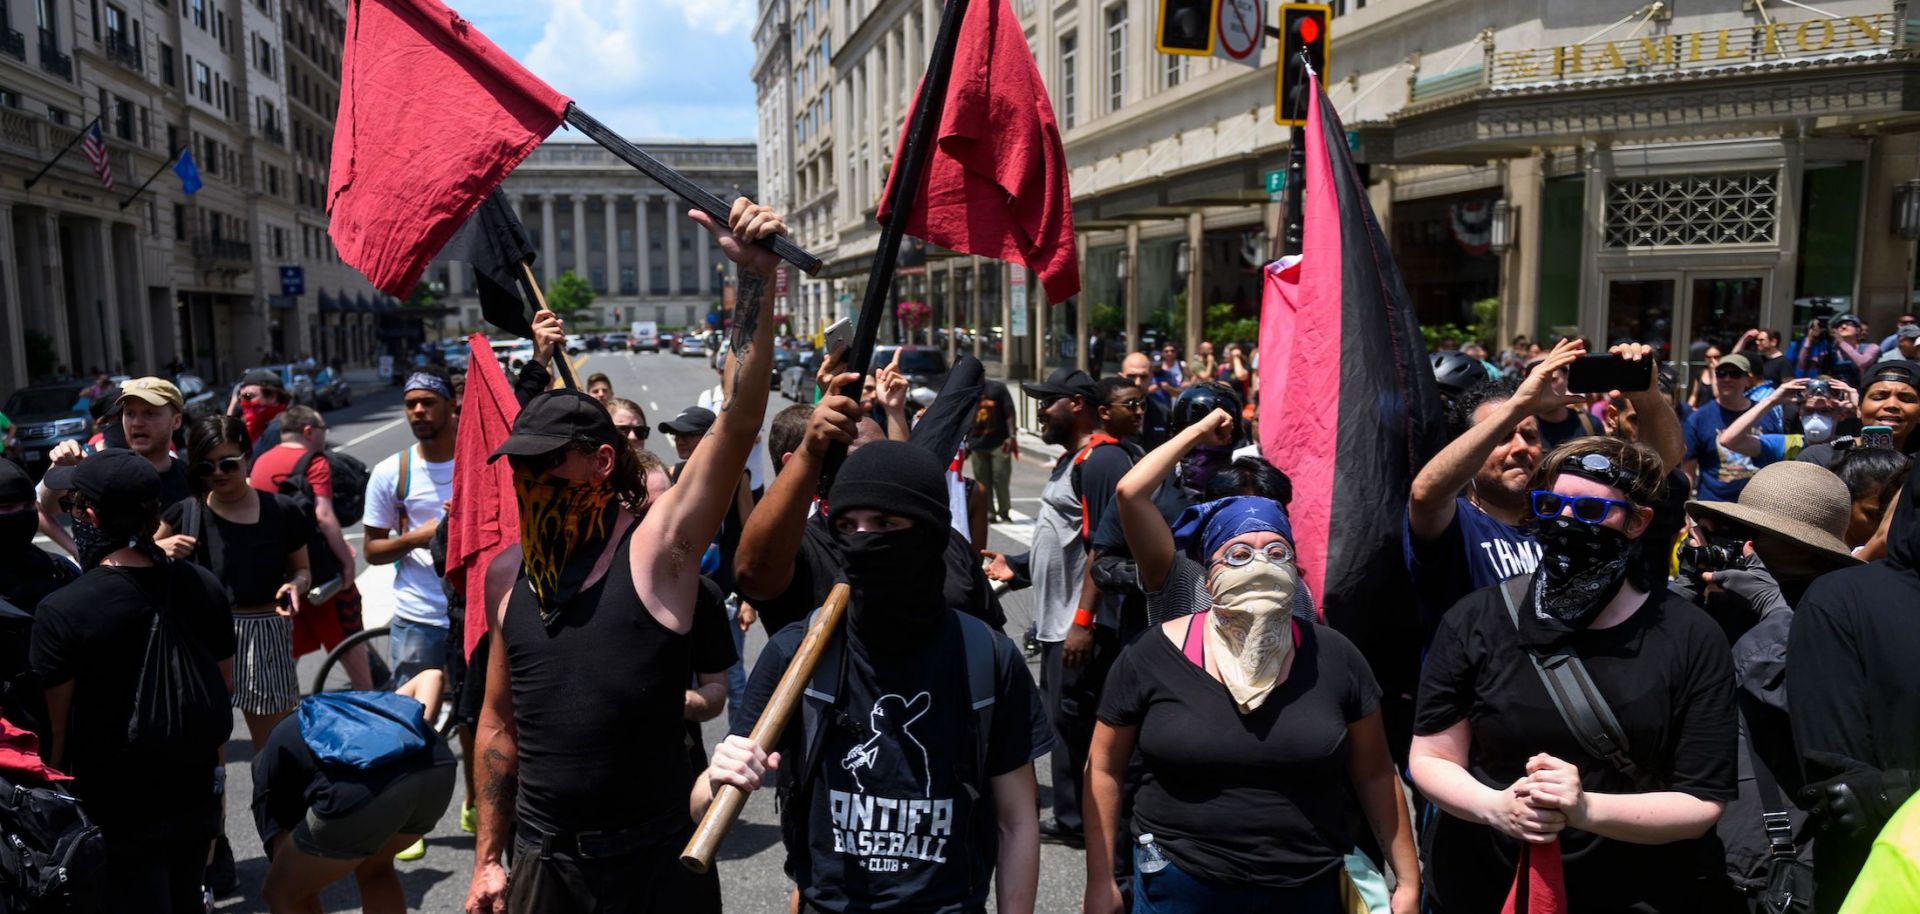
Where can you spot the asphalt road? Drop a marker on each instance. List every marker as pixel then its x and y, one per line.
pixel 751 861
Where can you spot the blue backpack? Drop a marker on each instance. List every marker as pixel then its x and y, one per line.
pixel 365 731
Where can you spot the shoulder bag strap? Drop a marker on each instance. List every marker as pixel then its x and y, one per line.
pixel 1574 695
pixel 976 641
pixel 1773 806
pixel 300 466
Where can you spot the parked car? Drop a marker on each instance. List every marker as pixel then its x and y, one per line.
pixel 923 367
pixel 691 344
pixel 331 391
pixel 453 354
pixel 783 359
pixel 796 380
pixel 576 342
pixel 646 336
pixel 44 415
pixel 618 341
pixel 200 399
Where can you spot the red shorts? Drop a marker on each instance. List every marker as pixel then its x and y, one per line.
pixel 325 625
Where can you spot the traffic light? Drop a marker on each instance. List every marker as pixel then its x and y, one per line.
pixel 1186 27
pixel 1303 27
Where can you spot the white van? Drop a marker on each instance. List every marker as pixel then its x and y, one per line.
pixel 646 336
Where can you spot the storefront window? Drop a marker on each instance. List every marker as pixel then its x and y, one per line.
pixel 1442 247
pixel 1640 310
pixel 1561 203
pixel 1829 229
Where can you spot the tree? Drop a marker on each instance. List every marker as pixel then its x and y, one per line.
pixel 569 294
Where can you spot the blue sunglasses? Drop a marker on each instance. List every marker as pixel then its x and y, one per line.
pixel 1587 509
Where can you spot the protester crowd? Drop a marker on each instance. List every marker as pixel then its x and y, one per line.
pixel 1666 653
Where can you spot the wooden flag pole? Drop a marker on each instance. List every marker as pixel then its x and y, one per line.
pixel 902 196
pixel 700 197
pixel 726 804
pixel 562 367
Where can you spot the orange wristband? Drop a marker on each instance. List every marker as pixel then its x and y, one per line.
pixel 1083 618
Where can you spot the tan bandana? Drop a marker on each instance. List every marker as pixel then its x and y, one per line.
pixel 1250 630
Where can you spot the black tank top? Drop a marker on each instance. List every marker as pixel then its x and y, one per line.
pixel 598 703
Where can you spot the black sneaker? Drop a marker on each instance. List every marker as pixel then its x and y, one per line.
pixel 221 878
pixel 1052 832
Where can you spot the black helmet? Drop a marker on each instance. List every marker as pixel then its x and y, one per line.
pixel 1456 371
pixel 1199 401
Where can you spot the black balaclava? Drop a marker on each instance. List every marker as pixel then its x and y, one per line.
pixel 897 579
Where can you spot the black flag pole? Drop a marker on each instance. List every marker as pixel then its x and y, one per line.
pixel 700 197
pixel 61 154
pixel 150 178
pixel 902 196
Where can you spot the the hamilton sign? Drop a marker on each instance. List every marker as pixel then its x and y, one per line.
pixel 1746 44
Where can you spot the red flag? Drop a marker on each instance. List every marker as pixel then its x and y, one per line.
pixel 432 117
pixel 1346 394
pixel 1539 883
pixel 996 180
pixel 486 515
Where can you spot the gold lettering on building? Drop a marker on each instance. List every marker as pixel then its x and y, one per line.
pixel 1725 51
pixel 1655 50
pixel 1866 26
pixel 1800 35
pixel 1773 40
pixel 1613 60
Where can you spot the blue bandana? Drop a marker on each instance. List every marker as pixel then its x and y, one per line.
pixel 1203 528
pixel 430 383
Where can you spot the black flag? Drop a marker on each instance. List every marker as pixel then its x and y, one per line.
pixel 950 417
pixel 496 245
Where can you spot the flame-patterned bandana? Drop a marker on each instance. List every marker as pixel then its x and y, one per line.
pixel 564 523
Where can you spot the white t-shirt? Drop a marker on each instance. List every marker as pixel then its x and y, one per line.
pixel 417 596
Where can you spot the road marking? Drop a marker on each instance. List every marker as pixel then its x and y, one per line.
pixel 374 432
pixel 653 405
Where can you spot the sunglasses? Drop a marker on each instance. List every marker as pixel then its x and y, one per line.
pixel 1130 402
pixel 1276 552
pixel 1587 509
pixel 223 465
pixel 636 432
pixel 1729 373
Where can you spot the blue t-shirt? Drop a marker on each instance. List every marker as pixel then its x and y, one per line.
pixel 1722 472
pixel 1474 551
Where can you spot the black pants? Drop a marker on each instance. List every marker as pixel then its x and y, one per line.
pixel 644 881
pixel 1073 698
pixel 161 876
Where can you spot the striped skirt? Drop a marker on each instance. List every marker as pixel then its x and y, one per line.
pixel 263 666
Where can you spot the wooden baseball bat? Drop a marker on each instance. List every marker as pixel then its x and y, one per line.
pixel 698 855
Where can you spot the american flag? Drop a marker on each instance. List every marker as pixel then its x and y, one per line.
pixel 94 144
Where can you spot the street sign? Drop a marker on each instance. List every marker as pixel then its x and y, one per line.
pixel 1242 29
pixel 1276 180
pixel 293 280
pixel 1018 287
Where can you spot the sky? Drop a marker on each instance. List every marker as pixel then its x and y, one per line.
pixel 646 68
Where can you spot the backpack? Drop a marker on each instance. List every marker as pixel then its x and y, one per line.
pixel 349 486
pixel 180 702
pixel 299 490
pixel 52 857
pixel 1097 439
pixel 364 731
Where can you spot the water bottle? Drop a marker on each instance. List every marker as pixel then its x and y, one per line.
pixel 1151 860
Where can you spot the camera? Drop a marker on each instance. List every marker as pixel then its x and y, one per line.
pixel 1711 557
pixel 1820 387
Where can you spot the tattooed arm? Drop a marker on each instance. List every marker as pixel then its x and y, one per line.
pixel 666 553
pixel 496 750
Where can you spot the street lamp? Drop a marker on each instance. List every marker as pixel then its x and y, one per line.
pixel 1182 259
pixel 1906 207
pixel 1500 230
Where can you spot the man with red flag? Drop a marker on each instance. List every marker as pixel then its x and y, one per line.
pixel 1368 423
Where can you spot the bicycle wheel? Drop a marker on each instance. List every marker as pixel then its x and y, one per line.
pixel 334 675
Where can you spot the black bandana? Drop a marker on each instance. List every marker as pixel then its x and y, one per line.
pixel 1581 569
pixel 564 525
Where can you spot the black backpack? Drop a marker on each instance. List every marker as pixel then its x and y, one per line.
pixel 181 705
pixel 349 486
pixel 52 857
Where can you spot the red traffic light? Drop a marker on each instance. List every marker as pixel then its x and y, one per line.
pixel 1309 30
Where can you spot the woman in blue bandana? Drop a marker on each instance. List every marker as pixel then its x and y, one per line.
pixel 1246 720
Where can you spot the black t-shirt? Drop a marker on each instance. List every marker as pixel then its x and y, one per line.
pixel 30 573
pixel 174 482
pixel 288 781
pixel 1251 799
pixel 818 566
pixel 1778 369
pixel 1097 478
pixel 250 559
pixel 93 633
pixel 992 419
pixel 1577 424
pixel 891 825
pixel 1666 673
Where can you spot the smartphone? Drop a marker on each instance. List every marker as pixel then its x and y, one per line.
pixel 1597 374
pixel 837 336
pixel 1877 436
pixel 325 591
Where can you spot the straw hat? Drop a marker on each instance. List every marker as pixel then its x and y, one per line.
pixel 1798 505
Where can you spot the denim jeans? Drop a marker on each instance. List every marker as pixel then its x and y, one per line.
pixel 415 646
pixel 737 676
pixel 1173 891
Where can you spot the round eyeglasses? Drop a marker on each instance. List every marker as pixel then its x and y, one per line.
pixel 1276 552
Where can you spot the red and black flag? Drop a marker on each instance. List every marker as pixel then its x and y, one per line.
pixel 1348 404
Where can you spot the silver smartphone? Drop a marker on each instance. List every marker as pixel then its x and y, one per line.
pixel 837 336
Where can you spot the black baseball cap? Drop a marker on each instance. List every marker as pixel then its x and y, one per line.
pixel 1065 382
pixel 693 420
pixel 15 485
pixel 1899 370
pixel 263 377
pixel 555 419
pixel 114 475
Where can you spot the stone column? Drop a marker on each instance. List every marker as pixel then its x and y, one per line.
pixel 1196 310
pixel 547 261
pixel 947 303
pixel 55 284
pixel 673 251
pixel 1080 322
pixel 610 202
pixel 703 261
pixel 579 202
pixel 641 252
pixel 1131 287
pixel 13 330
pixel 134 308
pixel 106 298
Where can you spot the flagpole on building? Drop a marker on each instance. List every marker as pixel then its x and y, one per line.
pixel 62 154
pixel 562 367
pixel 700 197
pixel 150 178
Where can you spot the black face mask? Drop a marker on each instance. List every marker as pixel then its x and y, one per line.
pixel 17 529
pixel 897 580
pixel 1581 569
pixel 94 543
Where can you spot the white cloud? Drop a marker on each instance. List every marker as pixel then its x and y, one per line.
pixel 647 68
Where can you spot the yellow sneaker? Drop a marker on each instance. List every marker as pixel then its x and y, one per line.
pixel 469 819
pixel 414 851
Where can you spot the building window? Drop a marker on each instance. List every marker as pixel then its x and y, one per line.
pixel 179 222
pixel 1116 57
pixel 203 82
pixel 1069 64
pixel 123 118
pixel 1685 210
pixel 198 10
pixel 166 64
pixel 1173 70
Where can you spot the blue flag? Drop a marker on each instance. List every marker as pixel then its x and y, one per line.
pixel 188 172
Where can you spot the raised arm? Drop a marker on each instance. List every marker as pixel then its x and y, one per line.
pixel 1742 435
pixel 763 562
pixel 1148 537
pixel 1659 424
pixel 678 529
